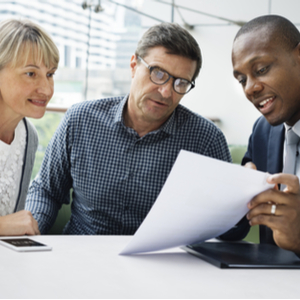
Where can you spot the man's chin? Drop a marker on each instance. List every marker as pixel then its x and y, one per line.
pixel 274 121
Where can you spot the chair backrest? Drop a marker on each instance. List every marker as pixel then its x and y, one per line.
pixel 237 153
pixel 62 219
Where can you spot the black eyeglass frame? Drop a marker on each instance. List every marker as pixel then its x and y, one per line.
pixel 151 68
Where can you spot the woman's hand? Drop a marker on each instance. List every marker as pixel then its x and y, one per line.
pixel 19 223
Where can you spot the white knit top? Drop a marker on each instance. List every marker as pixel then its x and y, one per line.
pixel 11 162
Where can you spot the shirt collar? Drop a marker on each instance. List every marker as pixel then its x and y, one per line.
pixel 120 109
pixel 295 128
pixel 169 126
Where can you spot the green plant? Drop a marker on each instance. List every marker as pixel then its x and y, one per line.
pixel 45 128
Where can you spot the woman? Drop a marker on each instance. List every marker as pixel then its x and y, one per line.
pixel 28 60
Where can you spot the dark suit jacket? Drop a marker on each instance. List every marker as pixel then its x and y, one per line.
pixel 265 150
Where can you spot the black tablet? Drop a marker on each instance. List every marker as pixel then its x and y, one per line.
pixel 244 255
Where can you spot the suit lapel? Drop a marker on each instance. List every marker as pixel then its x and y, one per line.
pixel 275 149
pixel 274 165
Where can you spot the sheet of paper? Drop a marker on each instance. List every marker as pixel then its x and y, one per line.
pixel 201 199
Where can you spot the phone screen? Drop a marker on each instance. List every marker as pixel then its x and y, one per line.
pixel 24 244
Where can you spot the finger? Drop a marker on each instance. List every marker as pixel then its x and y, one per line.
pixel 36 228
pixel 29 229
pixel 33 228
pixel 270 215
pixel 291 182
pixel 273 222
pixel 31 225
pixel 265 209
pixel 250 165
pixel 273 196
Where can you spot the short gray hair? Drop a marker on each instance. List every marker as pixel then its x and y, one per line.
pixel 20 38
pixel 175 39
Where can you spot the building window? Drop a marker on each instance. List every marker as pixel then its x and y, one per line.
pixel 67 56
pixel 78 62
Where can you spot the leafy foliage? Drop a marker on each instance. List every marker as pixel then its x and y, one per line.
pixel 45 128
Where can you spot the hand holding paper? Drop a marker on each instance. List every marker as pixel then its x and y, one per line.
pixel 201 199
pixel 280 211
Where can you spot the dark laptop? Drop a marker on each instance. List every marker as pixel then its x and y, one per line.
pixel 244 255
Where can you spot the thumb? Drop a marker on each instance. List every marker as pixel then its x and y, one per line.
pixel 250 165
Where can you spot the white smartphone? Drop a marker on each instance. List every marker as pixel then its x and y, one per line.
pixel 24 244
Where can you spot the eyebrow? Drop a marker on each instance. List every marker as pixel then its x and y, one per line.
pixel 236 73
pixel 252 60
pixel 36 67
pixel 155 66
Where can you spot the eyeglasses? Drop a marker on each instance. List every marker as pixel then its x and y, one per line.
pixel 160 77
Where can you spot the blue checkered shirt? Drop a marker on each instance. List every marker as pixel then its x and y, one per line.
pixel 115 175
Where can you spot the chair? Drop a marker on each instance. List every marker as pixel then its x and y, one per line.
pixel 62 219
pixel 237 153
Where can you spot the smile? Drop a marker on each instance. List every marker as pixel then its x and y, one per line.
pixel 265 102
pixel 38 102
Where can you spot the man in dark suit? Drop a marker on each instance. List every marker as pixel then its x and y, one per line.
pixel 266 62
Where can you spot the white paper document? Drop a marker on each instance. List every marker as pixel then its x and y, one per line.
pixel 202 198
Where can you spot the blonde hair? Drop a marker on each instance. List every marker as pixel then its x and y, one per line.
pixel 21 38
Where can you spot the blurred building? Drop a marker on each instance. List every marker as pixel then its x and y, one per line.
pixel 95 48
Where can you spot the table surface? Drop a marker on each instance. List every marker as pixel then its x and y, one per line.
pixel 90 267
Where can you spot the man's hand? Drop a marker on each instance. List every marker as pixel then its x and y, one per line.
pixel 250 165
pixel 19 223
pixel 285 220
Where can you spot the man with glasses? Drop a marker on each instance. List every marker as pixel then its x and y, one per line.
pixel 116 153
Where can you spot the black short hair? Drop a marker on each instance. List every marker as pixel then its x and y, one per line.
pixel 281 30
pixel 175 39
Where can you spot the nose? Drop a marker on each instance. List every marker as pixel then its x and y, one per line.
pixel 252 87
pixel 166 89
pixel 45 86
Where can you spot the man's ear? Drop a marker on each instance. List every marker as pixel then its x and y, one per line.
pixel 298 51
pixel 133 65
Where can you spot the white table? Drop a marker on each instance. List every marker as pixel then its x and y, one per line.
pixel 90 267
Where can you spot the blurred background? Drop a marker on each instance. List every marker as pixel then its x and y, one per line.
pixel 97 38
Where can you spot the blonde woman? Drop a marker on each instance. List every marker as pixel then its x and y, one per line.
pixel 28 61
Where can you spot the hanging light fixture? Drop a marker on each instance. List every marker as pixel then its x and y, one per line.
pixel 98 7
pixel 89 4
pixel 86 5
